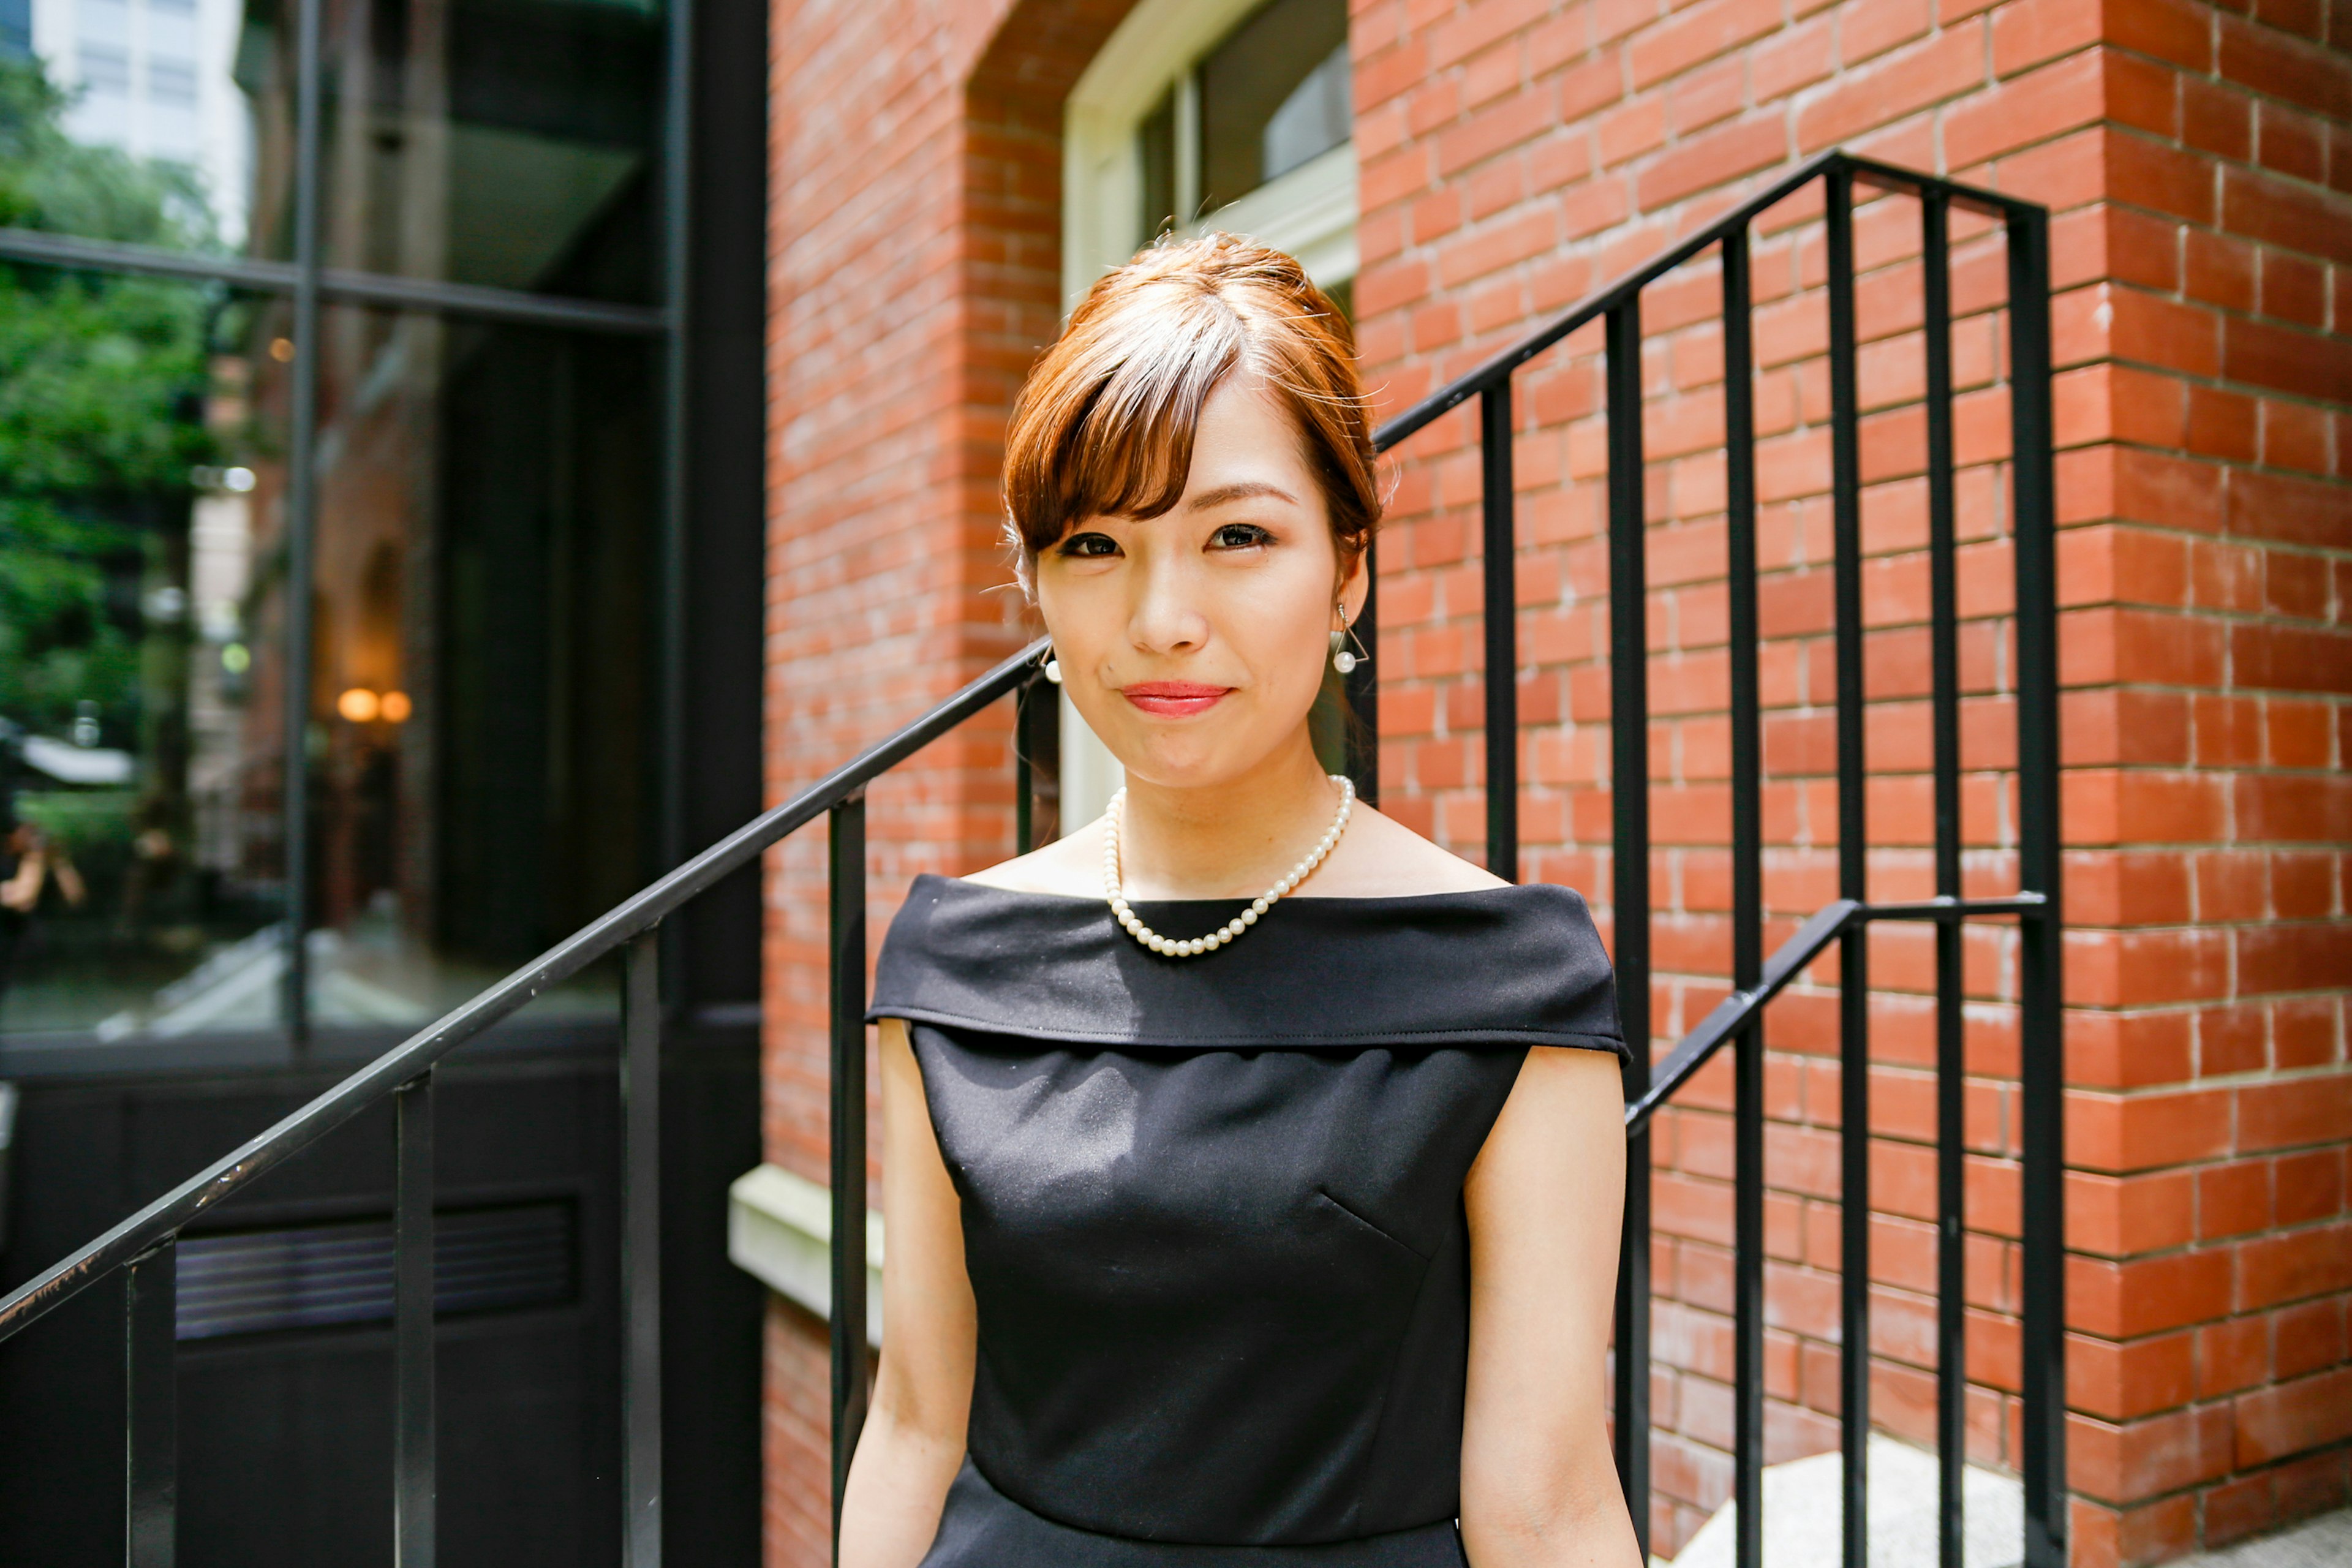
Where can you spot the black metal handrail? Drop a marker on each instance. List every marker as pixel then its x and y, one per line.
pixel 142 1245
pixel 1738 1019
pixel 160 1221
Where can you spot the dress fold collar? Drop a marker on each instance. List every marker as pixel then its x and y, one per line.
pixel 1498 967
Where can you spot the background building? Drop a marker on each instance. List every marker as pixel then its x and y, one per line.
pixel 381 539
pixel 1499 159
pixel 156 78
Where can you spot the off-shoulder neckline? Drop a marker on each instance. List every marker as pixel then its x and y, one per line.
pixel 1507 966
pixel 1292 899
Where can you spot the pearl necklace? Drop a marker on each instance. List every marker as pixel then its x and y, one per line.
pixel 1168 947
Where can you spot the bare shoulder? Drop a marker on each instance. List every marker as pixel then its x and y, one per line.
pixel 1071 866
pixel 1378 858
pixel 1382 858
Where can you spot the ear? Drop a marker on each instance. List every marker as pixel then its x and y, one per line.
pixel 1356 586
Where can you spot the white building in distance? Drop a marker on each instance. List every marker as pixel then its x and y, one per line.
pixel 153 78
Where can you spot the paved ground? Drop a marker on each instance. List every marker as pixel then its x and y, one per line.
pixel 2322 1542
pixel 1802 1505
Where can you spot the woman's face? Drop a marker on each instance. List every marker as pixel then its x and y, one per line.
pixel 1193 644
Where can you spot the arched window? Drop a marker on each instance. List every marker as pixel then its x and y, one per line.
pixel 1200 115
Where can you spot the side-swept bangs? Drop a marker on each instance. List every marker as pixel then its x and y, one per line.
pixel 1105 424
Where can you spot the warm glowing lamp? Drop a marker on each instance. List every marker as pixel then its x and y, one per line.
pixel 394 708
pixel 359 705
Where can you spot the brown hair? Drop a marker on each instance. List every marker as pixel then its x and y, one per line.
pixel 1105 424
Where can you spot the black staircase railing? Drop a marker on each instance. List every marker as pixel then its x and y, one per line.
pixel 141 1247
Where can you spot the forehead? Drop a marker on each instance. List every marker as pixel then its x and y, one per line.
pixel 1246 433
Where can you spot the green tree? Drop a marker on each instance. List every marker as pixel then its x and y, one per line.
pixel 97 375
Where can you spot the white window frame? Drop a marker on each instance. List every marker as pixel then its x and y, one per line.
pixel 1309 212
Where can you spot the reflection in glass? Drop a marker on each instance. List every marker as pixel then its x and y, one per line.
pixel 1155 145
pixel 143 91
pixel 138 835
pixel 481 695
pixel 502 142
pixel 1273 95
pixel 112 140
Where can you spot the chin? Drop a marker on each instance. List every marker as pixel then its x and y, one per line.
pixel 1181 766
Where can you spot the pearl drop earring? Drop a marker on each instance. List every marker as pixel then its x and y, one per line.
pixel 1341 659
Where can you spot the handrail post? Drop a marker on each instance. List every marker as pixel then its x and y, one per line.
pixel 1746 905
pixel 1853 850
pixel 414 1476
pixel 1951 1056
pixel 640 1373
pixel 850 1371
pixel 1363 686
pixel 1500 561
pixel 2041 1067
pixel 1024 770
pixel 150 1424
pixel 1629 741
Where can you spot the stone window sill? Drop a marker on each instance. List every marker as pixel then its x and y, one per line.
pixel 779 1231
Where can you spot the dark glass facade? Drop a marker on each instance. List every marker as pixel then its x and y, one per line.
pixel 403 504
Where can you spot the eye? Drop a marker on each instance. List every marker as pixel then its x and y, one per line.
pixel 1239 536
pixel 1087 546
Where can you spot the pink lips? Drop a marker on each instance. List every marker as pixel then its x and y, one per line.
pixel 1173 699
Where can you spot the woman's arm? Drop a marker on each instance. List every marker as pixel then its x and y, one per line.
pixel 23 890
pixel 1538 1482
pixel 914 1437
pixel 68 878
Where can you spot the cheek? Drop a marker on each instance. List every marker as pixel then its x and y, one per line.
pixel 1074 618
pixel 1284 621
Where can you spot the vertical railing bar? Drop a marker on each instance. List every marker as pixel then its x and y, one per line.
pixel 150 1417
pixel 1853 986
pixel 1499 547
pixel 415 1475
pixel 2041 1075
pixel 641 1396
pixel 850 1367
pixel 1363 687
pixel 676 190
pixel 1629 710
pixel 1025 780
pixel 1746 905
pixel 1951 1064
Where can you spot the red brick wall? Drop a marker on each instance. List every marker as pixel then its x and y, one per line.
pixel 914 167
pixel 1514 154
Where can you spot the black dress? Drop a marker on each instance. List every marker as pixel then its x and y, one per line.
pixel 1212 1209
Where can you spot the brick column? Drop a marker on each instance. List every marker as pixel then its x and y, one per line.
pixel 916 242
pixel 1515 153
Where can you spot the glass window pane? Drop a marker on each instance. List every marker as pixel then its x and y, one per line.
pixel 1155 142
pixel 509 143
pixel 1273 95
pixel 128 127
pixel 482 739
pixel 139 828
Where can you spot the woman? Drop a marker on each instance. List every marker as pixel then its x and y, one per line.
pixel 29 864
pixel 1253 1166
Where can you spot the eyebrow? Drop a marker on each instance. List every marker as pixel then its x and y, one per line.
pixel 1242 490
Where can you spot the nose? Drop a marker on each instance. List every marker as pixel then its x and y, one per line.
pixel 1166 617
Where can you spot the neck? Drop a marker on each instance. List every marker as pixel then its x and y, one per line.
pixel 1229 840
